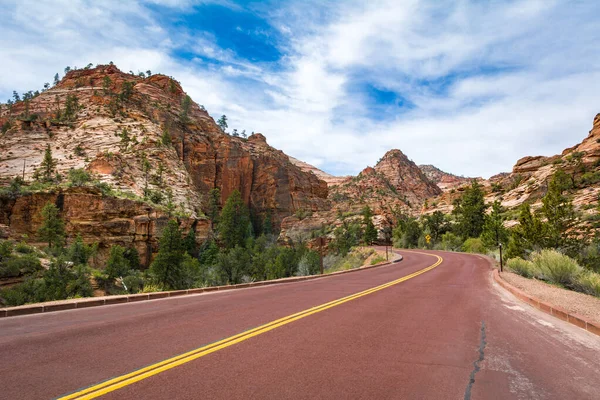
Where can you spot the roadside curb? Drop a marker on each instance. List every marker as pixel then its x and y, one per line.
pixel 110 300
pixel 547 308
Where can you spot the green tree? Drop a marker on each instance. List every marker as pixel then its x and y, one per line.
pixel 79 253
pixel 558 210
pixel 166 267
pixel 214 202
pixel 47 169
pixel 222 122
pixel 52 229
pixel 126 91
pixel 209 252
pixel 71 108
pixel 436 223
pixel 346 236
pixel 494 231
pixel 233 265
pixel 528 235
pixel 79 177
pixel 166 138
pixel 369 230
pixel 106 83
pixel 470 211
pixel 56 79
pixel 185 109
pixel 234 222
pixel 407 233
pixel 117 264
pixel 189 243
pixel 267 225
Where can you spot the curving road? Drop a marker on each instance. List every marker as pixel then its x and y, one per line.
pixel 433 327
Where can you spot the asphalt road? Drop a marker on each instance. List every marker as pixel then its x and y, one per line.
pixel 446 333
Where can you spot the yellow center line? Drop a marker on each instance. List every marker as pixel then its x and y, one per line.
pixel 143 373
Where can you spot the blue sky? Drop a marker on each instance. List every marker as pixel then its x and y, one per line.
pixel 469 86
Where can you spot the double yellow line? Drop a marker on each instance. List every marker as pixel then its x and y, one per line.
pixel 136 376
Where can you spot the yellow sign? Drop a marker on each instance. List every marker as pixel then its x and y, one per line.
pixel 427 239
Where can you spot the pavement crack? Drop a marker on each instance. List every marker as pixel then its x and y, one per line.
pixel 476 364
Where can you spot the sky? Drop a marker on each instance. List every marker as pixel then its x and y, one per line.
pixel 469 86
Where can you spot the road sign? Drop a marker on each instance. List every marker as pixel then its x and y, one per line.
pixel 428 239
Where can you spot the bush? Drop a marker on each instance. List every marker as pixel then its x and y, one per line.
pixel 309 264
pixel 377 259
pixel 451 242
pixel 473 245
pixel 79 177
pixel 134 282
pixel 556 267
pixel 588 282
pixel 522 267
pixel 24 248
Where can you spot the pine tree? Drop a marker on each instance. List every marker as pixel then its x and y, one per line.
pixel 494 231
pixel 370 232
pixel 117 264
pixel 185 109
pixel 166 267
pixel 53 227
pixel 214 201
pixel 222 122
pixel 189 243
pixel 79 253
pixel 234 222
pixel 47 169
pixel 558 210
pixel 56 79
pixel 470 212
pixel 267 225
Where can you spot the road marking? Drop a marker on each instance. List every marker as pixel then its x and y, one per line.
pixel 108 386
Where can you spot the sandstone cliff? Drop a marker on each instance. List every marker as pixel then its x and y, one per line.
pixel 141 134
pixel 528 181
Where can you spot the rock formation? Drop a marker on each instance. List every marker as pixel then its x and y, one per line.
pixel 141 135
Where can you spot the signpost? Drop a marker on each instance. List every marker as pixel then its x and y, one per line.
pixel 501 262
pixel 321 243
pixel 387 236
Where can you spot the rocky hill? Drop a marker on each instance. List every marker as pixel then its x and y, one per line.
pixel 528 181
pixel 444 180
pixel 153 149
pixel 395 184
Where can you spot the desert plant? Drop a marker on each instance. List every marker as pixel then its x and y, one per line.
pixel 588 282
pixel 473 245
pixel 522 267
pixel 556 267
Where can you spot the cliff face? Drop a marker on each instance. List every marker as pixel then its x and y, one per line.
pixel 138 134
pixel 98 219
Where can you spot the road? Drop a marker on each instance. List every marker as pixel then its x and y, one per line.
pixel 447 332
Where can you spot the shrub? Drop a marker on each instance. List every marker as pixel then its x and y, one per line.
pixel 556 267
pixel 522 267
pixel 309 264
pixel 79 177
pixel 451 242
pixel 151 288
pixel 377 259
pixel 24 248
pixel 473 245
pixel 134 282
pixel 588 282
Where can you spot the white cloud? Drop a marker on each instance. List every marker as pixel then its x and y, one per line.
pixel 489 82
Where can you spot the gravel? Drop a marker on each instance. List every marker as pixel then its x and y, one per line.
pixel 575 303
